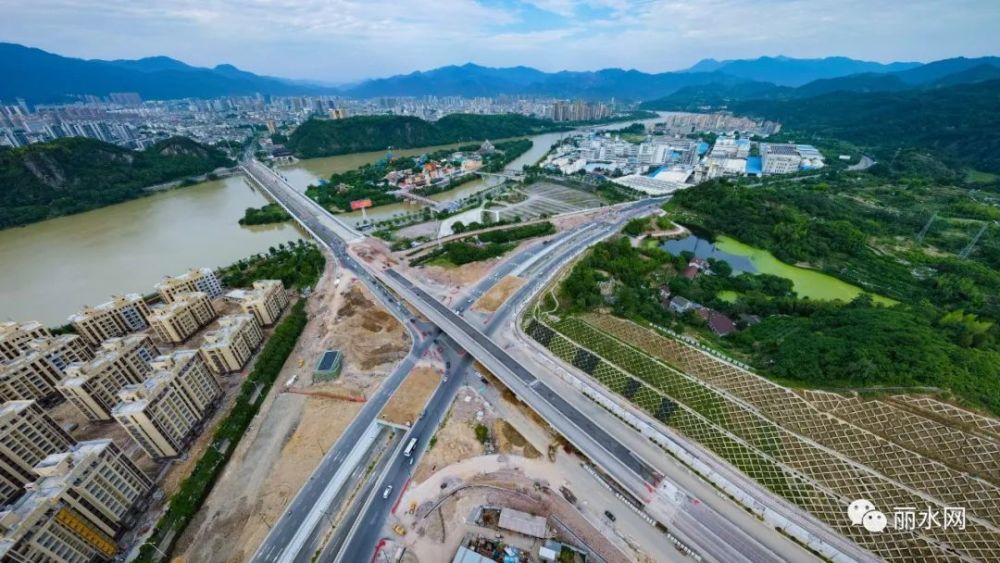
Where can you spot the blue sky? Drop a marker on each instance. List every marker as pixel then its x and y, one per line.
pixel 349 40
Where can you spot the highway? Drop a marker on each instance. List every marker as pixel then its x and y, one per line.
pixel 367 535
pixel 329 234
pixel 712 533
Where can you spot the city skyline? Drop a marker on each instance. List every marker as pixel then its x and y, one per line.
pixel 342 42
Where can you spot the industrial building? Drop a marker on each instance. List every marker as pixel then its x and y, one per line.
pixel 118 317
pixel 162 412
pixel 780 159
pixel 74 512
pixel 14 337
pixel 27 436
pixel 229 347
pixel 92 387
pixel 35 374
pixel 265 301
pixel 202 279
pixel 176 321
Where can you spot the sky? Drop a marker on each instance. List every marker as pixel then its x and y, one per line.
pixel 342 41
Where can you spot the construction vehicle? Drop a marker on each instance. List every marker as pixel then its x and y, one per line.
pixel 413 508
pixel 399 529
pixel 302 363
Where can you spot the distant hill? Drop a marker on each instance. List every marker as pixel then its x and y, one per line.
pixel 76 174
pixel 937 70
pixel 965 71
pixel 42 77
pixel 786 71
pixel 378 132
pixel 475 80
pixel 958 124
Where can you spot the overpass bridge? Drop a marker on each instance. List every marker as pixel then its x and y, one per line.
pixel 605 449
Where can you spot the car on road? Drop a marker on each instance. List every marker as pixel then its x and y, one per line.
pixel 388 491
pixel 607 513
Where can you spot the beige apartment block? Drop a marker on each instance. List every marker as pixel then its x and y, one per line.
pixel 118 317
pixel 92 387
pixel 201 279
pixel 35 374
pixel 230 347
pixel 84 499
pixel 175 322
pixel 162 412
pixel 27 436
pixel 265 301
pixel 15 337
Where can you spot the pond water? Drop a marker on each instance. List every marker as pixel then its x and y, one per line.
pixel 808 283
pixel 705 249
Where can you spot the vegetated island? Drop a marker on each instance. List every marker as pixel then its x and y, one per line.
pixel 76 174
pixel 268 214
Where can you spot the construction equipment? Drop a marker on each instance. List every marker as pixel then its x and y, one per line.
pixel 413 507
pixel 302 363
pixel 328 395
pixel 399 529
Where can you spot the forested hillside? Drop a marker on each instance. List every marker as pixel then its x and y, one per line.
pixel 76 174
pixel 378 132
pixel 960 123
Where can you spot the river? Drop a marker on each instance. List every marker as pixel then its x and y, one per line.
pixel 50 269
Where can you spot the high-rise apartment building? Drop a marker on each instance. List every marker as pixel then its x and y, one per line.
pixel 27 436
pixel 162 412
pixel 15 337
pixel 176 321
pixel 230 347
pixel 265 301
pixel 118 317
pixel 202 279
pixel 74 512
pixel 92 387
pixel 35 374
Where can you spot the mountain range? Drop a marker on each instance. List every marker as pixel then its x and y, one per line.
pixel 41 77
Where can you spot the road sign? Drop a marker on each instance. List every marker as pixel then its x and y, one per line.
pixel 360 204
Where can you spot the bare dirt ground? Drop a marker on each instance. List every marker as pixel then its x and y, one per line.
pixel 498 294
pixel 444 503
pixel 293 431
pixel 409 399
pixel 456 439
pixel 425 229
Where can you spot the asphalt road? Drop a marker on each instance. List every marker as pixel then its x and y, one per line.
pixel 371 520
pixel 714 533
pixel 364 540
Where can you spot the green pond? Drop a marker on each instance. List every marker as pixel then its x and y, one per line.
pixel 807 283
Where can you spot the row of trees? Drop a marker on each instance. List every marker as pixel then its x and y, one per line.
pixel 195 489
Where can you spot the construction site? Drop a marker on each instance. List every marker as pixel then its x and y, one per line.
pixel 299 421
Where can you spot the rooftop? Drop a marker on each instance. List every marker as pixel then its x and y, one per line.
pixel 522 522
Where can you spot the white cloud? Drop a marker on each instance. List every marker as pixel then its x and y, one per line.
pixel 352 39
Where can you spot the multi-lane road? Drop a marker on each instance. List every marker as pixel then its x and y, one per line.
pixel 715 535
